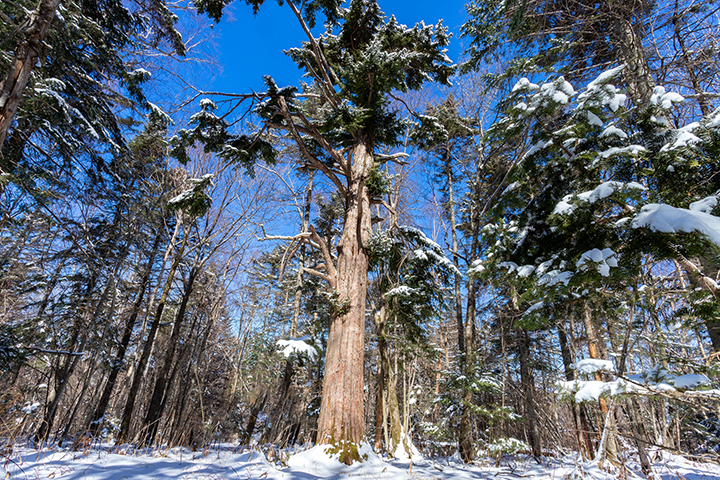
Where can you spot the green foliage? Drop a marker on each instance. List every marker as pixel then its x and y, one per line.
pixel 213 133
pixel 582 168
pixel 377 183
pixel 413 276
pixel 194 201
pixel 71 113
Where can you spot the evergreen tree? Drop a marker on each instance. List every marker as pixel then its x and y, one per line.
pixel 360 60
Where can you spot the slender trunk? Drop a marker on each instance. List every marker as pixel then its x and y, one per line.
pixel 65 372
pixel 628 38
pixel 379 406
pixel 157 402
pixel 390 383
pixel 22 65
pixel 252 419
pixel 342 415
pixel 685 59
pixel 637 426
pixel 147 348
pixel 528 389
pixel 698 279
pixel 581 425
pixel 118 362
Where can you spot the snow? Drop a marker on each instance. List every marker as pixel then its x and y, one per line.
pixel 554 277
pixel 593 119
pixel 525 271
pixel 476 268
pixel 206 103
pixel 602 259
pixel 564 208
pixel 664 218
pixel 605 77
pixel 631 149
pixel 230 462
pixel 705 205
pixel 604 190
pixel 663 99
pixel 685 139
pixel 298 346
pixel 592 365
pixel 525 84
pixel 613 130
pixel 534 307
pixel 401 291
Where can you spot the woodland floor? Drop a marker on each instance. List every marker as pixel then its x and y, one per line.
pixel 226 462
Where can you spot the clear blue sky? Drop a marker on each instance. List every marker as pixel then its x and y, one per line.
pixel 252 46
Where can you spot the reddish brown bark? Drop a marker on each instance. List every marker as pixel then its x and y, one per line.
pixel 342 420
pixel 22 64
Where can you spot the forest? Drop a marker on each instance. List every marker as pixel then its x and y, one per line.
pixel 513 254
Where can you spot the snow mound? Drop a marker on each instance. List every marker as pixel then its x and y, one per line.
pixel 298 346
pixel 318 463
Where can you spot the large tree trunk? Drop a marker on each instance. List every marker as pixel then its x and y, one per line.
pixel 23 63
pixel 342 416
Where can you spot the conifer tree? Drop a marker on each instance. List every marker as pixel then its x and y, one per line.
pixel 354 66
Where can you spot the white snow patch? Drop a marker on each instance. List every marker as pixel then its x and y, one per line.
pixel 588 366
pixel 664 218
pixel 297 346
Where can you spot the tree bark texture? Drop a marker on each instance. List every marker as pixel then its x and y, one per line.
pixel 147 348
pixel 157 402
pixel 528 389
pixel 342 419
pixel 23 62
pixel 95 421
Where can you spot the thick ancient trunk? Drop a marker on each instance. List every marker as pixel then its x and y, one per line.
pixel 22 64
pixel 342 419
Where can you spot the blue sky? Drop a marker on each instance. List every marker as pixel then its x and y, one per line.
pixel 252 46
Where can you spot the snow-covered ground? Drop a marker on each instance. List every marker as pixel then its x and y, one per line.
pixel 227 463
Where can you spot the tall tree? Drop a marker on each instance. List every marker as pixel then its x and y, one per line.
pixel 354 68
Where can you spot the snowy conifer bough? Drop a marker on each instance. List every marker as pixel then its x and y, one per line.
pixel 595 186
pixel 353 67
pixel 595 194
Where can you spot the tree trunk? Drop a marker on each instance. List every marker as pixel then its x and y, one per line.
pixel 65 372
pixel 581 425
pixel 22 65
pixel 117 364
pixel 698 279
pixel 528 389
pixel 342 416
pixel 389 394
pixel 147 348
pixel 157 402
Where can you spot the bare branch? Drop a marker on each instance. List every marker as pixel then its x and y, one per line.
pixel 291 127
